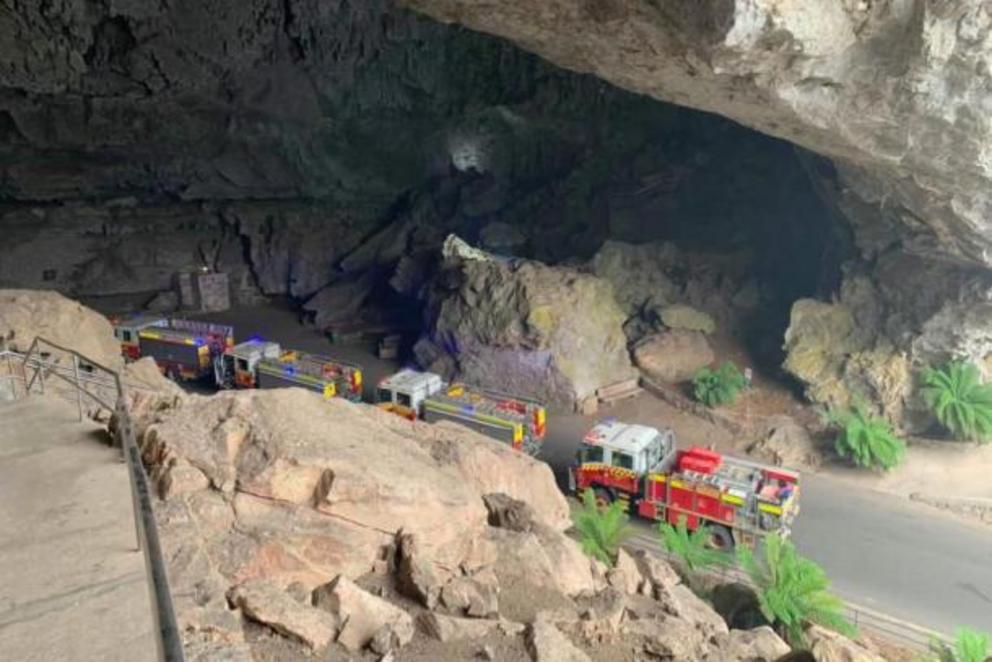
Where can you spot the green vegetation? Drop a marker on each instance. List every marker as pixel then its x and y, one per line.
pixel 968 646
pixel 959 400
pixel 720 386
pixel 865 439
pixel 691 547
pixel 792 590
pixel 601 529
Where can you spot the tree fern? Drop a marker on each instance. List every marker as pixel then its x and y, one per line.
pixel 601 529
pixel 867 440
pixel 792 590
pixel 968 646
pixel 718 387
pixel 959 400
pixel 692 548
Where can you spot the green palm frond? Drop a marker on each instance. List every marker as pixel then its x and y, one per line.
pixel 601 530
pixel 793 590
pixel 960 401
pixel 691 547
pixel 718 387
pixel 867 441
pixel 969 646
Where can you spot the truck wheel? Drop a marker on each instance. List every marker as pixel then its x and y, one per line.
pixel 720 538
pixel 604 497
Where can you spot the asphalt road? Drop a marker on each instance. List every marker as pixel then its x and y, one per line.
pixel 881 551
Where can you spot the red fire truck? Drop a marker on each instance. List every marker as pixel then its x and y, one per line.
pixel 737 500
pixel 186 349
pixel 126 330
pixel 260 364
pixel 519 422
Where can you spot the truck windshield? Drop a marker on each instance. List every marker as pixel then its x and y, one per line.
pixel 592 454
pixel 623 460
pixel 383 395
pixel 403 399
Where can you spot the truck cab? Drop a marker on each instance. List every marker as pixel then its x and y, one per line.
pixel 126 330
pixel 614 456
pixel 404 393
pixel 239 365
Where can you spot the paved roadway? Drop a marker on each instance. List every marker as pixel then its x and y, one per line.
pixel 881 551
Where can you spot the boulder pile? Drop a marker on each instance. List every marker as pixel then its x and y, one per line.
pixel 298 526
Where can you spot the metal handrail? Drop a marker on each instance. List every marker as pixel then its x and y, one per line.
pixel 168 640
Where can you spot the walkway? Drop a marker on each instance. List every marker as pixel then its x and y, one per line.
pixel 71 585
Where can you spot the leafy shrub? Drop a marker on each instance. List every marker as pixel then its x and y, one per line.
pixel 792 590
pixel 691 547
pixel 601 529
pixel 720 386
pixel 968 646
pixel 959 400
pixel 867 440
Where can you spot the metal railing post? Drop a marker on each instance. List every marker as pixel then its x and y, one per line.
pixel 79 387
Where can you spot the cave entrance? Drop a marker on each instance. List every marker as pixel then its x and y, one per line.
pixel 725 220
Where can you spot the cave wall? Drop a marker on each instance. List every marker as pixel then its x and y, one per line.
pixel 895 93
pixel 297 144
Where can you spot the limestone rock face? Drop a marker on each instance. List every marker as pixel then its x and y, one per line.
pixel 25 314
pixel 549 333
pixel 673 356
pixel 841 361
pixel 278 488
pixel 908 142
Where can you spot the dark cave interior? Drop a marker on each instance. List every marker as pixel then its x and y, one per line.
pixel 328 169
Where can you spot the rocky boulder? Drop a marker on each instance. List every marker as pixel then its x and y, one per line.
pixel 267 489
pixel 266 603
pixel 361 614
pixel 828 646
pixel 25 314
pixel 841 360
pixel 673 356
pixel 549 333
pixel 786 443
pixel 546 643
pixel 758 645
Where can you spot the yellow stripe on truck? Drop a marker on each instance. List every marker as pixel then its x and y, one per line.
pixel 452 409
pixel 769 508
pixel 735 500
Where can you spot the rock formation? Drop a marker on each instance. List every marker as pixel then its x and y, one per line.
pixel 519 326
pixel 889 91
pixel 343 529
pixel 26 314
pixel 904 130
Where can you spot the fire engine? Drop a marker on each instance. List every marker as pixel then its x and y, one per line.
pixel 184 349
pixel 261 364
pixel 126 330
pixel 737 500
pixel 516 421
